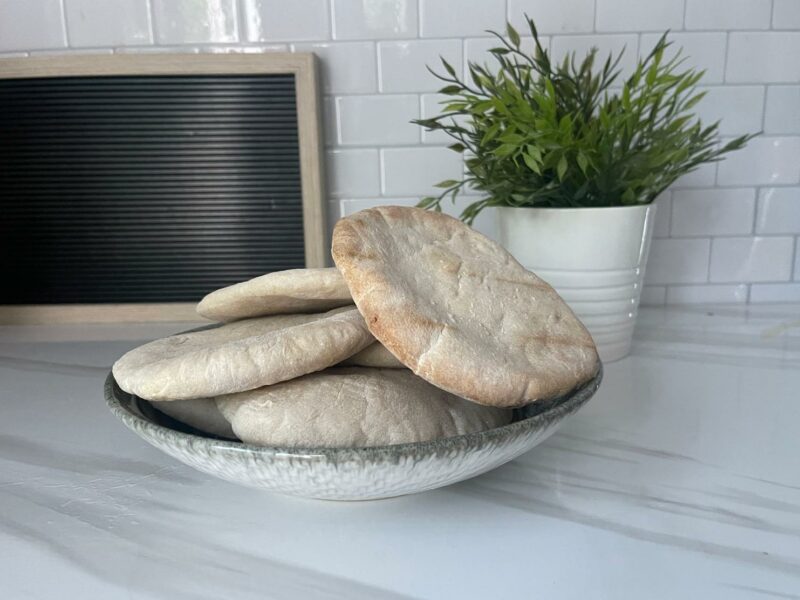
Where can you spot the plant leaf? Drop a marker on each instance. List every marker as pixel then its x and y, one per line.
pixel 583 162
pixel 562 168
pixel 447 183
pixel 513 35
pixel 448 67
pixel 532 163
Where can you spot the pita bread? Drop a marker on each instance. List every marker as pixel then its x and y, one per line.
pixel 353 407
pixel 282 292
pixel 201 414
pixel 458 310
pixel 375 355
pixel 241 356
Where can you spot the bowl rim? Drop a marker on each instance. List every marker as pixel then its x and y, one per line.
pixel 120 403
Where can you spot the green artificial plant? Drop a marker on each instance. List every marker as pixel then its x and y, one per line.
pixel 545 134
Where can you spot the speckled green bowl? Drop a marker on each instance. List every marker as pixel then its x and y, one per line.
pixel 349 473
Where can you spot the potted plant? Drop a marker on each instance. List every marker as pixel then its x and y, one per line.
pixel 573 166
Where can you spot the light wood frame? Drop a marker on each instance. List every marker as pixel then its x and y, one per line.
pixel 304 68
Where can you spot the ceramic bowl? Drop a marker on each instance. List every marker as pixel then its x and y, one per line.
pixel 349 473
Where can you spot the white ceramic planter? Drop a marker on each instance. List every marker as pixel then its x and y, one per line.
pixel 593 257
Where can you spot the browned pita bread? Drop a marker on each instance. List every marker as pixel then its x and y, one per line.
pixel 458 310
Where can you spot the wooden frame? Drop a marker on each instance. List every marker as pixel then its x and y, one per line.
pixel 304 68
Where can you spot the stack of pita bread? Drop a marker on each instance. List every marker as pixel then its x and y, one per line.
pixel 424 329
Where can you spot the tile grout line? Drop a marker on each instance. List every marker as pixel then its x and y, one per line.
pixel 236 22
pixel 65 24
pixel 151 22
pixel 725 61
pixel 331 19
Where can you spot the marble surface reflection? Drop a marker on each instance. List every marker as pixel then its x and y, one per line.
pixel 680 479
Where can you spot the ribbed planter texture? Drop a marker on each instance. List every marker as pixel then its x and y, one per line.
pixel 594 258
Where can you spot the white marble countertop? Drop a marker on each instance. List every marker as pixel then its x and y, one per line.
pixel 680 479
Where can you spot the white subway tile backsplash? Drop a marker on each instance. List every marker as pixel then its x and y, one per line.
pixel 31 25
pixel 702 177
pixel 414 171
pixel 678 261
pixel 439 18
pixel 774 292
pixel 346 67
pixel 564 16
pixel 636 15
pixel 195 21
pixel 353 173
pixel 653 295
pixel 605 44
pixel 763 57
pixel 374 19
pixel 751 259
pixel 712 212
pixel 403 65
pixel 707 294
pixel 476 50
pixel 663 206
pixel 702 50
pixel 783 109
pixel 735 14
pixel 778 210
pixel 282 20
pixel 786 14
pixel 765 160
pixel 110 23
pixel 378 120
pixel 738 108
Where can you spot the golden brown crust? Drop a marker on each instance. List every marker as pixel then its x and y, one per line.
pixel 458 310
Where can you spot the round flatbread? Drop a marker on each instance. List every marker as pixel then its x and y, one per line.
pixel 201 414
pixel 282 292
pixel 375 355
pixel 353 407
pixel 241 356
pixel 458 310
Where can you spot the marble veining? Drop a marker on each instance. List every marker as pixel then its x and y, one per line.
pixel 680 479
